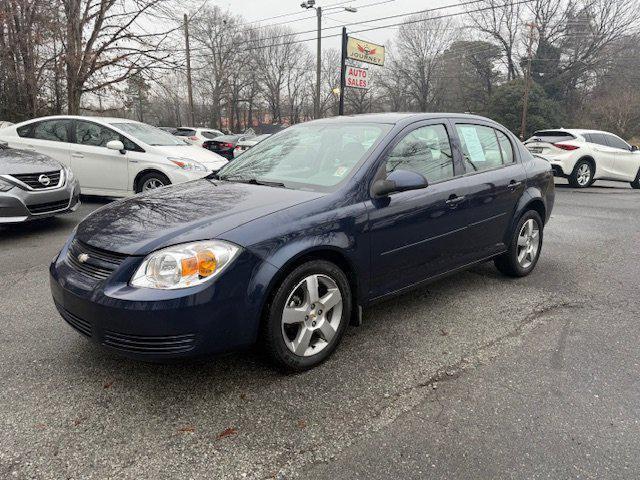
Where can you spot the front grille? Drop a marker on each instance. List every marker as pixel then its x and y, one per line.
pixel 167 344
pixel 82 326
pixel 40 208
pixel 97 264
pixel 33 179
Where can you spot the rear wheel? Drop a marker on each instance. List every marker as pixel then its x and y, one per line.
pixel 524 249
pixel 582 175
pixel 308 316
pixel 151 181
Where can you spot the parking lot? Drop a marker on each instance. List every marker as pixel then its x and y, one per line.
pixel 475 376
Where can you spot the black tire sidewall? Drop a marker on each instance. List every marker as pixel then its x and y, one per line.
pixel 272 333
pixel 573 178
pixel 513 248
pixel 160 176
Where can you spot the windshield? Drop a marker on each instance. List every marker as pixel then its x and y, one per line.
pixel 317 156
pixel 149 135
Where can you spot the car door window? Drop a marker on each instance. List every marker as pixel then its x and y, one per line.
pixel 616 142
pixel 52 130
pixel 427 151
pixel 480 147
pixel 505 147
pixel 92 134
pixel 598 139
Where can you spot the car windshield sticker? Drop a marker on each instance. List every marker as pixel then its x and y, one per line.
pixel 474 147
pixel 341 171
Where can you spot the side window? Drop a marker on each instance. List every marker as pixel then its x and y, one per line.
pixel 427 151
pixel 88 133
pixel 598 139
pixel 505 147
pixel 480 147
pixel 53 130
pixel 616 142
pixel 25 131
pixel 587 137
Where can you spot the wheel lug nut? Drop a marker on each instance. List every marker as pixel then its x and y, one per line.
pixel 319 312
pixel 306 317
pixel 313 324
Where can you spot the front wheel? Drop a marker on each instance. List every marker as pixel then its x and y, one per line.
pixel 524 250
pixel 582 175
pixel 636 183
pixel 307 316
pixel 151 181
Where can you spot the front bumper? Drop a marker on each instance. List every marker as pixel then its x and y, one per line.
pixel 154 324
pixel 18 205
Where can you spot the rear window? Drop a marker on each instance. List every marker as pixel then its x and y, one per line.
pixel 551 136
pixel 185 132
pixel 209 134
pixel 227 138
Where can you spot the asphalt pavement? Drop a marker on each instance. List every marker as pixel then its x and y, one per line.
pixel 475 376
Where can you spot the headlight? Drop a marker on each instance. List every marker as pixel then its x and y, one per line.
pixel 68 173
pixel 188 164
pixel 5 186
pixel 184 265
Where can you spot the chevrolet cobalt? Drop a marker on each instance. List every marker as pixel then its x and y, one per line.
pixel 286 244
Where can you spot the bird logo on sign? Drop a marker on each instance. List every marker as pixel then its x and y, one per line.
pixel 366 50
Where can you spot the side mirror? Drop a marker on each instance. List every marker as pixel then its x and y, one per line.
pixel 398 181
pixel 634 148
pixel 116 145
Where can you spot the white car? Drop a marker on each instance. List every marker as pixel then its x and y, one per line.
pixel 113 156
pixel 246 144
pixel 196 136
pixel 584 156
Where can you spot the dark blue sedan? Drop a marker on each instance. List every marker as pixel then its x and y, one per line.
pixel 289 242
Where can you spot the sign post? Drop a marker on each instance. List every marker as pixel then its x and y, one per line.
pixel 343 61
pixel 360 51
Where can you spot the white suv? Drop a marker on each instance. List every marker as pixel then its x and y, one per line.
pixel 113 156
pixel 197 136
pixel 584 156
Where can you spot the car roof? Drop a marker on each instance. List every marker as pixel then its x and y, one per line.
pixel 578 131
pixel 400 117
pixel 85 117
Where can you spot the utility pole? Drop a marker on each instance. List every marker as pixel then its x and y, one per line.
pixel 343 61
pixel 527 81
pixel 192 117
pixel 316 109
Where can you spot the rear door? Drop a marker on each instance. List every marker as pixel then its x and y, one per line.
pixel 626 162
pixel 418 234
pixel 96 166
pixel 605 155
pixel 50 137
pixel 494 181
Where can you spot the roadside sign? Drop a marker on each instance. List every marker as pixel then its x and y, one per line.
pixel 356 77
pixel 364 51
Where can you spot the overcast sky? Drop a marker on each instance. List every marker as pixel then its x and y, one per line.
pixel 253 10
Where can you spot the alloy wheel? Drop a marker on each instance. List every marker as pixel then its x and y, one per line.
pixel 312 315
pixel 152 184
pixel 583 175
pixel 528 243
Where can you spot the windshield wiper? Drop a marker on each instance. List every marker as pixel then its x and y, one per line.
pixel 254 181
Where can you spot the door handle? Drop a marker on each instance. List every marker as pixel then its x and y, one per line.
pixel 514 185
pixel 77 155
pixel 454 200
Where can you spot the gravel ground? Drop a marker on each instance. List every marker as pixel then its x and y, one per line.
pixel 473 376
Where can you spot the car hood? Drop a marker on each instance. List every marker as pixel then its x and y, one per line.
pixel 192 152
pixel 14 161
pixel 198 210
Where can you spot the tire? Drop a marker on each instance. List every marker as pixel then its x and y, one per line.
pixel 290 342
pixel 151 178
pixel 510 263
pixel 582 175
pixel 636 183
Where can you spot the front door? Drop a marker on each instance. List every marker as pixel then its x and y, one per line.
pixel 99 169
pixel 627 162
pixel 418 234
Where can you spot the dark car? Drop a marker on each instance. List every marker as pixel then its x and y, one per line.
pixel 34 186
pixel 225 144
pixel 289 242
